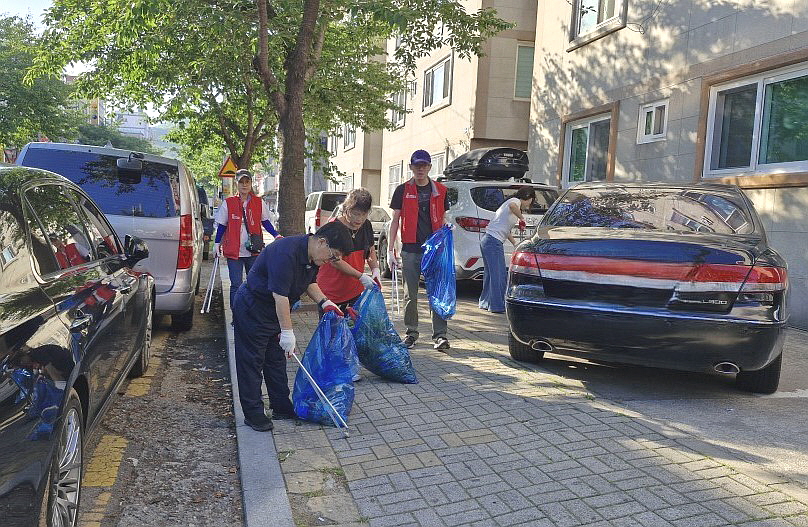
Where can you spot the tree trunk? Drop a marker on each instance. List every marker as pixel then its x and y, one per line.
pixel 291 186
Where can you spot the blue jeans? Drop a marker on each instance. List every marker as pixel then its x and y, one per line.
pixel 234 269
pixel 495 275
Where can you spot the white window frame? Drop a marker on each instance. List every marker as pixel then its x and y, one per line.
pixel 348 137
pixel 333 144
pixel 444 101
pixel 438 164
pixel 613 23
pixel 393 182
pixel 399 117
pixel 761 80
pixel 651 108
pixel 575 125
pixel 516 96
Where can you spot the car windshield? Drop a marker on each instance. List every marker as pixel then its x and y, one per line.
pixel 491 197
pixel 660 209
pixel 152 194
pixel 330 201
pixel 378 214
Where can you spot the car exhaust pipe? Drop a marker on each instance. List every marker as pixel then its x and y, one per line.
pixel 726 368
pixel 541 345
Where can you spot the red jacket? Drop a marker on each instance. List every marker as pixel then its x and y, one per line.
pixel 231 243
pixel 409 209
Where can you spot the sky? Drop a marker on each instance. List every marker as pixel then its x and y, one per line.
pixel 35 8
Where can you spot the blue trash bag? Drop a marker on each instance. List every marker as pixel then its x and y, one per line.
pixel 331 359
pixel 438 269
pixel 378 345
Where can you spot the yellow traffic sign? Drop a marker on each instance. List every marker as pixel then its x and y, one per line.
pixel 228 169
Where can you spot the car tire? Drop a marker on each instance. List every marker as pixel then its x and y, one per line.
pixel 184 321
pixel 144 355
pixel 64 483
pixel 386 272
pixel 765 380
pixel 522 352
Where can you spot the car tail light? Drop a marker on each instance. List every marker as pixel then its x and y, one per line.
pixel 472 224
pixel 525 263
pixel 317 217
pixel 471 261
pixel 762 283
pixel 185 253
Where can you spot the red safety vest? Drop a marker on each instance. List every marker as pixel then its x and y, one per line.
pixel 409 209
pixel 231 244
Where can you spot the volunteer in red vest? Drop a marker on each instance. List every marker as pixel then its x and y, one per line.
pixel 238 232
pixel 419 206
pixel 344 280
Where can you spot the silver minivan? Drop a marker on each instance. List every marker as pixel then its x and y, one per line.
pixel 148 196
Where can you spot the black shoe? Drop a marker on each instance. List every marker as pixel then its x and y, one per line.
pixel 258 422
pixel 283 415
pixel 409 341
pixel 441 343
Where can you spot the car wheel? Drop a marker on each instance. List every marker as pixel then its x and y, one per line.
pixel 522 352
pixel 144 355
pixel 184 321
pixel 386 272
pixel 66 467
pixel 761 381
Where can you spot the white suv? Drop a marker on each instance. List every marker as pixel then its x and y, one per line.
pixel 319 206
pixel 472 205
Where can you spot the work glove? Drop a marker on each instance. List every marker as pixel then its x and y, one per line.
pixel 351 312
pixel 376 274
pixel 287 341
pixel 522 225
pixel 216 247
pixel 328 305
pixel 367 281
pixel 392 261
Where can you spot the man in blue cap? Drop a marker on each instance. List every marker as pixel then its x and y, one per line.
pixel 419 206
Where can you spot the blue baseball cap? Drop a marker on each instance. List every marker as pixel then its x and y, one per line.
pixel 420 157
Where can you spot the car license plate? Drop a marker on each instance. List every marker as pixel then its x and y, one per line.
pixel 528 232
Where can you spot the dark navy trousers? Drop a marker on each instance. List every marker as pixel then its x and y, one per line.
pixel 259 355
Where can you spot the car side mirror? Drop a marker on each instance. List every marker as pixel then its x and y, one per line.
pixel 134 249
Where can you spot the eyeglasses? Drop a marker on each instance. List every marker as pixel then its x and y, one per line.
pixel 354 215
pixel 333 257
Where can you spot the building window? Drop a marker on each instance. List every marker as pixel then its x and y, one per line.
pixel 759 124
pixel 586 150
pixel 393 179
pixel 398 116
pixel 438 165
pixel 653 123
pixel 333 144
pixel 524 72
pixel 348 136
pixel 438 85
pixel 592 19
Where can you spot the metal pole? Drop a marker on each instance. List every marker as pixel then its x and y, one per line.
pixel 332 412
pixel 211 282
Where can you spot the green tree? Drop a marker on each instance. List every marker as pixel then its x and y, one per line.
pixel 100 135
pixel 29 110
pixel 202 154
pixel 251 70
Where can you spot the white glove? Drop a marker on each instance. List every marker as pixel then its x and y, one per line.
pixel 376 275
pixel 216 246
pixel 392 261
pixel 288 341
pixel 367 281
pixel 328 305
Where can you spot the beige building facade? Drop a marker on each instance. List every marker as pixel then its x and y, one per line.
pixel 699 90
pixel 357 155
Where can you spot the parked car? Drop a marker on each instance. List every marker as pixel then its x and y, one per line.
pixel 142 195
pixel 319 206
pixel 669 276
pixel 472 205
pixel 206 213
pixel 75 318
pixel 378 218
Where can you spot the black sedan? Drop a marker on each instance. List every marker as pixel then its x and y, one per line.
pixel 667 276
pixel 74 319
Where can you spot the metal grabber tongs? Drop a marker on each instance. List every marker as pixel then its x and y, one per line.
pixel 396 298
pixel 211 283
pixel 332 412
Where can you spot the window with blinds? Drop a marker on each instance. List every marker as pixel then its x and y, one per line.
pixel 524 72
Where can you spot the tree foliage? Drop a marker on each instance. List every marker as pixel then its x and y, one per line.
pixel 100 135
pixel 27 111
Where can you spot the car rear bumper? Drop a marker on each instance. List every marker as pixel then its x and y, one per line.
pixel 680 342
pixel 180 297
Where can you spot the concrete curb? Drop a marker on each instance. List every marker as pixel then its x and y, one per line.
pixel 264 498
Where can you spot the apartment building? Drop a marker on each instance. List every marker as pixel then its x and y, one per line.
pixel 357 154
pixel 627 90
pixel 452 105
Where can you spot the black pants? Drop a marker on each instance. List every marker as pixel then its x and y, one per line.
pixel 259 355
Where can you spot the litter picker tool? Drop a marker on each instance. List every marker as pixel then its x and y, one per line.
pixel 211 283
pixel 396 296
pixel 332 412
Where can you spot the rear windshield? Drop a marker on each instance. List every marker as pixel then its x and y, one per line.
pixel 155 195
pixel 491 197
pixel 330 201
pixel 675 209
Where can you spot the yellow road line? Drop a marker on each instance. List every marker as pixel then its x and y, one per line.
pixel 105 462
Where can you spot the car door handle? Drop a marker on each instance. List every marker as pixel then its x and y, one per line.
pixel 81 322
pixel 125 289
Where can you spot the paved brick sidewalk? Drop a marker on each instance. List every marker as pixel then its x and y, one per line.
pixel 486 441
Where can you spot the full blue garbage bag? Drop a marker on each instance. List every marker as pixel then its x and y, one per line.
pixel 378 345
pixel 331 359
pixel 438 269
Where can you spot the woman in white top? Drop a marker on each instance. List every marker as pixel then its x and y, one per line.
pixel 499 229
